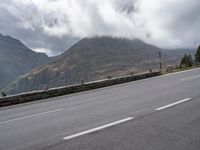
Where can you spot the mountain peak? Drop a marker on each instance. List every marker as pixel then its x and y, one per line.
pixel 11 43
pixel 91 59
pixel 17 59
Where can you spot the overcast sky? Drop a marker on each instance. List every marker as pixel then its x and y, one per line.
pixel 52 26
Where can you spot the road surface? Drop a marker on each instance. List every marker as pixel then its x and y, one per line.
pixel 151 114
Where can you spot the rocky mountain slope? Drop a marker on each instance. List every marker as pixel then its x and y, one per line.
pixel 93 59
pixel 16 59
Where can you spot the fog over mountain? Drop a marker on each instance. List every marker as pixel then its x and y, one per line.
pixel 52 26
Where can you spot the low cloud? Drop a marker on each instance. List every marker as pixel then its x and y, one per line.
pixel 43 23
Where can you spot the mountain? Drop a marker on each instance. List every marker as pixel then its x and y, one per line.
pixel 16 59
pixel 178 53
pixel 92 59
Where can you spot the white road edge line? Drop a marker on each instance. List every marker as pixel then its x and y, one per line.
pixel 97 129
pixel 179 72
pixel 189 78
pixel 173 104
pixel 35 115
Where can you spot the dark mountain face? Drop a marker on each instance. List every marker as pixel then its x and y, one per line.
pixel 91 59
pixel 16 59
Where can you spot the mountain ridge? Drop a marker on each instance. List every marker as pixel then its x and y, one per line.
pixel 92 59
pixel 16 59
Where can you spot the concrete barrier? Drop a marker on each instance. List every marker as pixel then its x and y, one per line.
pixel 40 95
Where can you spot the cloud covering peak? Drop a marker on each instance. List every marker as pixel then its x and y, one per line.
pixel 165 23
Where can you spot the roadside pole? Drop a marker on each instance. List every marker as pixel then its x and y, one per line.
pixel 160 59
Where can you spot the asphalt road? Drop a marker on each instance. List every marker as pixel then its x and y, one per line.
pixel 152 114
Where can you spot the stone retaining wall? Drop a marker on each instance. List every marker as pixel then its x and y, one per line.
pixel 39 95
